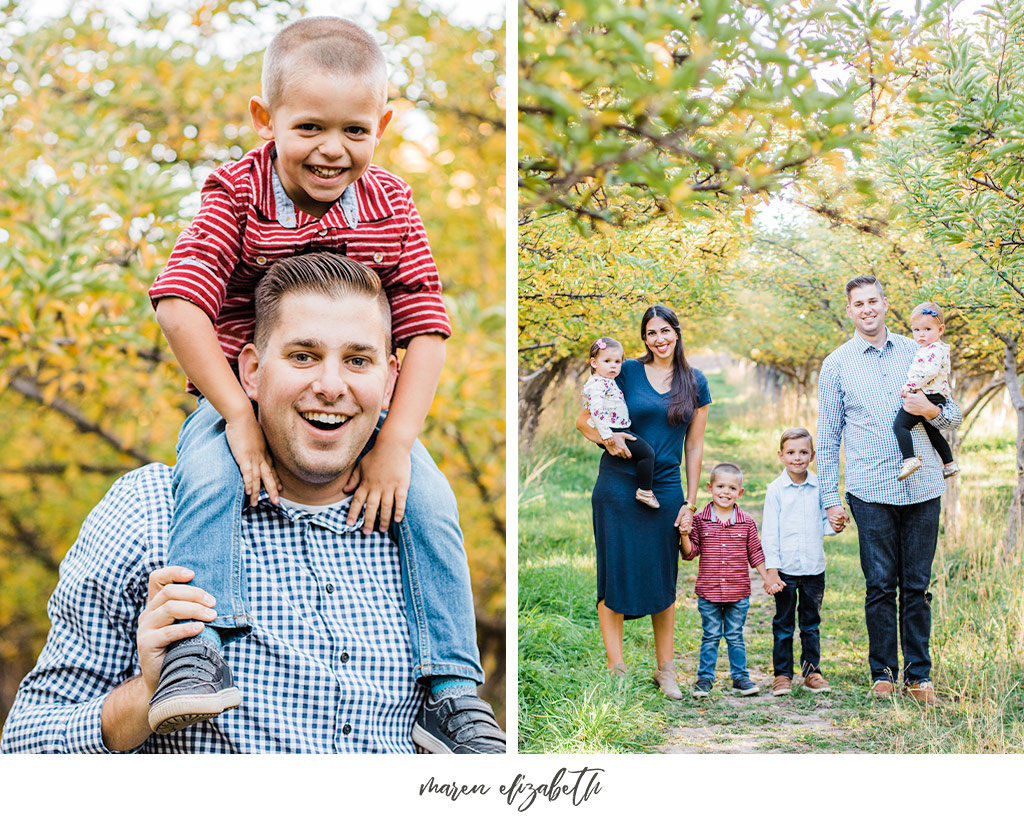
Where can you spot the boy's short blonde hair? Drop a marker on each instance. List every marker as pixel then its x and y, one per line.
pixel 792 434
pixel 327 44
pixel 928 308
pixel 728 469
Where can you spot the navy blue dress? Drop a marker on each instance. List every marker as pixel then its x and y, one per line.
pixel 638 547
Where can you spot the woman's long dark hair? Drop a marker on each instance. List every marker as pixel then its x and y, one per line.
pixel 683 395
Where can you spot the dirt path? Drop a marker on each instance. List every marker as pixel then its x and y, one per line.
pixel 761 723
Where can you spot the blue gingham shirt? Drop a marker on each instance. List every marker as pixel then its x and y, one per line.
pixel 327 668
pixel 858 398
pixel 794 526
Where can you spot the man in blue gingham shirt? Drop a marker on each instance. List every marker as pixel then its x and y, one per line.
pixel 328 666
pixel 897 521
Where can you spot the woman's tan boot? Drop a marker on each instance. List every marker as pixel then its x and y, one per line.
pixel 665 677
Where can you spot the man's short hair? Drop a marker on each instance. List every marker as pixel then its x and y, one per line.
pixel 863 280
pixel 321 273
pixel 321 44
pixel 794 433
pixel 726 468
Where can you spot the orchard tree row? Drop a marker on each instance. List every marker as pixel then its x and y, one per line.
pixel 741 161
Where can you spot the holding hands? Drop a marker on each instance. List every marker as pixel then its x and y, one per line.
pixel 772 582
pixel 684 520
pixel 837 517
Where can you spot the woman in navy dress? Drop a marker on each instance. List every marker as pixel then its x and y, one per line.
pixel 638 547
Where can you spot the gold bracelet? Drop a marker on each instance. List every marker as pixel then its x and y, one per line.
pixel 692 507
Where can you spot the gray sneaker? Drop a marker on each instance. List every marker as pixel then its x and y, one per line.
pixel 744 686
pixel 195 684
pixel 463 724
pixel 702 689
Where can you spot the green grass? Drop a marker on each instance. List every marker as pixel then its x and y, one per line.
pixel 567 702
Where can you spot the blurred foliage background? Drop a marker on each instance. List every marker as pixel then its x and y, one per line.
pixel 110 120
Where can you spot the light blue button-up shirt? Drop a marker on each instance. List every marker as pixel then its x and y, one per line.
pixel 858 398
pixel 793 526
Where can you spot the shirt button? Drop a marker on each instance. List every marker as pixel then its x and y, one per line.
pixel 329 587
pixel 346 729
pixel 261 260
pixel 344 658
pixel 378 257
pixel 322 232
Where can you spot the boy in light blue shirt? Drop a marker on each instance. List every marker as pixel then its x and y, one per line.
pixel 792 536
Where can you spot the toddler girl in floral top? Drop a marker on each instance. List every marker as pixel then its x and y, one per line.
pixel 609 414
pixel 929 373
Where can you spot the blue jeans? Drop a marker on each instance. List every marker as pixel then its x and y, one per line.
pixel 719 618
pixel 897 546
pixel 206 537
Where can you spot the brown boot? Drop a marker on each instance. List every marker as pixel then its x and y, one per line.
pixel 922 691
pixel 815 682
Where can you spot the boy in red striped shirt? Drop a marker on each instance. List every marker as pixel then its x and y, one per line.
pixel 725 538
pixel 311 187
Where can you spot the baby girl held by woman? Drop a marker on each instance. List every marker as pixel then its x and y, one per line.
pixel 608 413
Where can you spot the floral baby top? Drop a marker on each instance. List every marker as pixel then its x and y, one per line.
pixel 607 405
pixel 929 371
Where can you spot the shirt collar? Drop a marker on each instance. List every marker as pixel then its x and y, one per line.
pixel 333 519
pixel 708 514
pixel 285 208
pixel 810 481
pixel 863 345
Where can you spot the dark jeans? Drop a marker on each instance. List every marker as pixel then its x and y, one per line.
pixel 905 422
pixel 643 456
pixel 806 609
pixel 897 545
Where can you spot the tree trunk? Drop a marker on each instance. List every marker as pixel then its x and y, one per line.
pixel 1015 517
pixel 532 389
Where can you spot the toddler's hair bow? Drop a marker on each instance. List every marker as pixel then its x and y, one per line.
pixel 931 312
pixel 601 344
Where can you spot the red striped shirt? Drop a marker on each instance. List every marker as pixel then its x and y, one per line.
pixel 218 260
pixel 726 553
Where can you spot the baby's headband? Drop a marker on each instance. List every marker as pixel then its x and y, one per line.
pixel 931 312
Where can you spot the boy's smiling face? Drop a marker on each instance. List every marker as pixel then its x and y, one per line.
pixel 796 454
pixel 325 130
pixel 725 488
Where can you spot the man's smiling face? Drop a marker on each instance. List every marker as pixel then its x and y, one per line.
pixel 867 306
pixel 321 382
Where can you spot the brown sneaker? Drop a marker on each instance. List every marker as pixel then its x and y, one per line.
pixel 921 691
pixel 645 496
pixel 782 685
pixel 881 689
pixel 815 682
pixel 665 677
pixel 910 466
